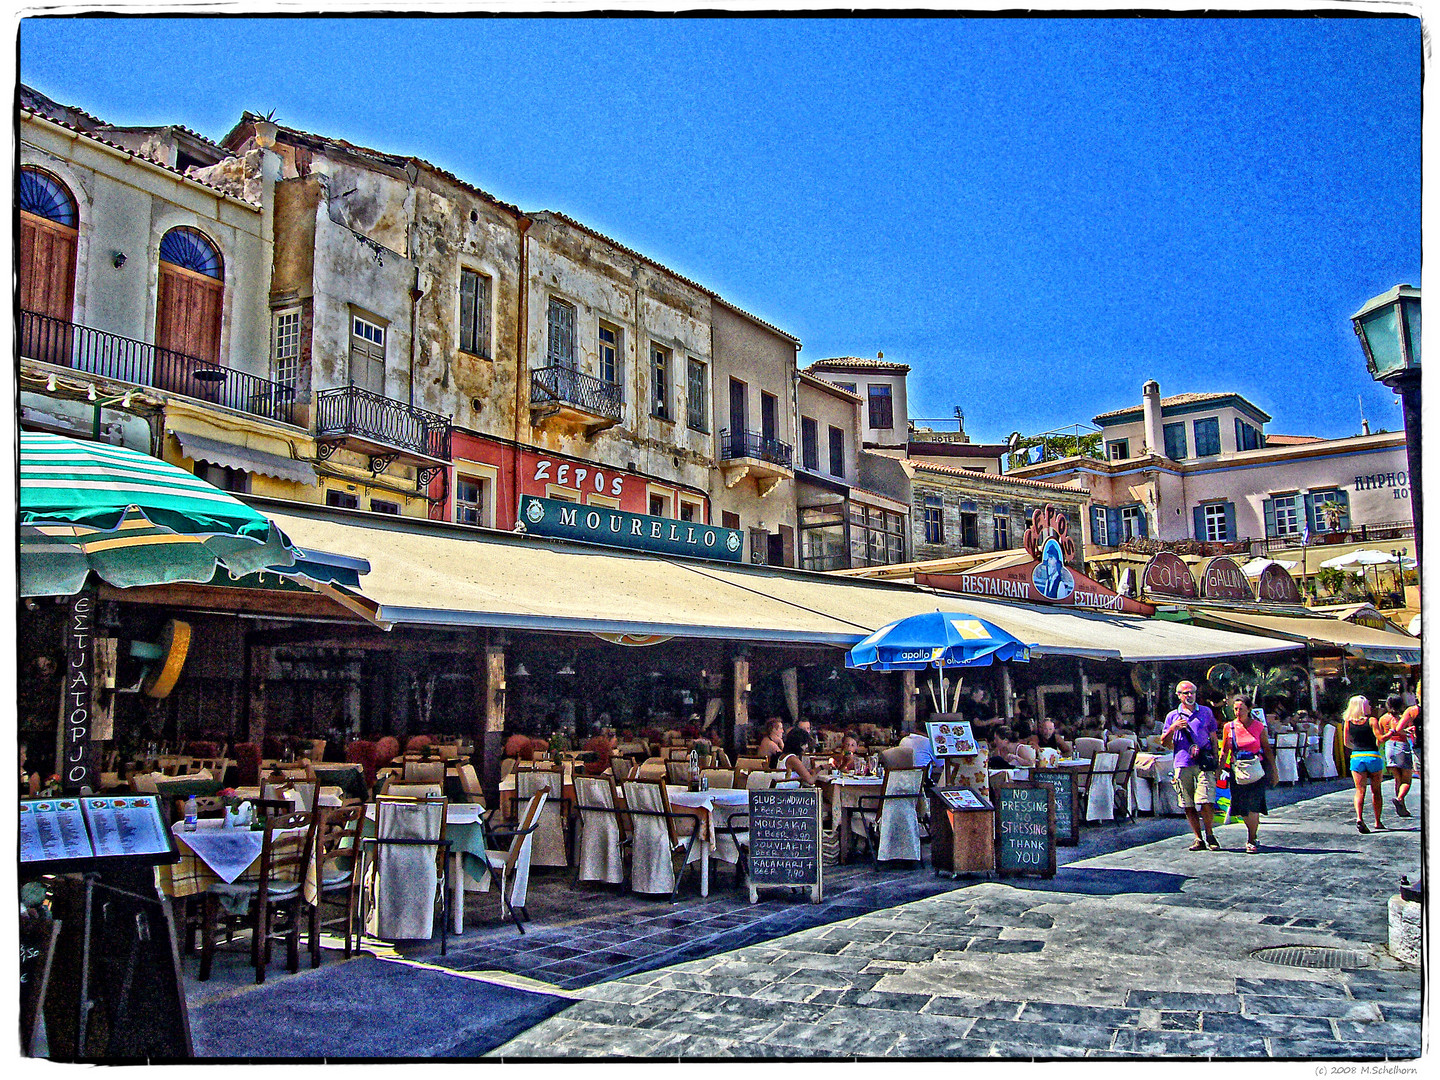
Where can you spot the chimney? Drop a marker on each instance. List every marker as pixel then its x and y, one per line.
pixel 1364 426
pixel 1154 444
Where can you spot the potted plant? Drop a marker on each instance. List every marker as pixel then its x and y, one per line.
pixel 1333 512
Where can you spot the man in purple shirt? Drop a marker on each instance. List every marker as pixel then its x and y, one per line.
pixel 1195 736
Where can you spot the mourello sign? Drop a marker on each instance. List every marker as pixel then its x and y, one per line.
pixel 638 532
pixel 1045 580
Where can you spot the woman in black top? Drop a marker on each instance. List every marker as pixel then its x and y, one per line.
pixel 1367 767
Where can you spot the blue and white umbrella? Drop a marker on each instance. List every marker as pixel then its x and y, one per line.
pixel 938 639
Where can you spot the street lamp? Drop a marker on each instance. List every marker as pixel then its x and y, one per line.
pixel 1389 330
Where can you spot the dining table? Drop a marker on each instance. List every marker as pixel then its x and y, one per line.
pixel 711 808
pixel 843 792
pixel 212 853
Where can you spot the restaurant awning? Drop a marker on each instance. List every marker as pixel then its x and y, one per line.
pixel 248 458
pixel 1365 642
pixel 424 575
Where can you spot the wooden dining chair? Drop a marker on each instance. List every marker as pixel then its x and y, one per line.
pixel 751 764
pixel 677 772
pixel 663 841
pixel 279 887
pixel 336 844
pixel 621 768
pixel 600 835
pixel 551 846
pixel 406 870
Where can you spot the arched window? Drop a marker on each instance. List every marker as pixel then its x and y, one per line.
pixel 192 250
pixel 187 310
pixel 48 235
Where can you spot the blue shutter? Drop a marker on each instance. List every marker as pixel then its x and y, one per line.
pixel 1230 521
pixel 1141 526
pixel 1269 517
pixel 1097 524
pixel 1112 523
pixel 1343 498
pixel 1310 518
pixel 1199 523
pixel 1239 435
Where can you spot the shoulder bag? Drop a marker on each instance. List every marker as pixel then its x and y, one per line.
pixel 1246 768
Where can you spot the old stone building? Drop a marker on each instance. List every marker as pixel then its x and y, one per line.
pixel 958 511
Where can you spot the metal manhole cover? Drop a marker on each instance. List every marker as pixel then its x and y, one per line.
pixel 1312 956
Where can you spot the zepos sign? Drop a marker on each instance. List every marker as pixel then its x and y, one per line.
pixel 1222 579
pixel 618 528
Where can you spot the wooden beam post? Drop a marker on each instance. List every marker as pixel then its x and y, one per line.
pixel 907 701
pixel 491 676
pixel 739 701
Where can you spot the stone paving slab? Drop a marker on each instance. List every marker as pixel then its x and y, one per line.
pixel 1104 969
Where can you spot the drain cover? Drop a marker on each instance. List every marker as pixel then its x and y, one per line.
pixel 1312 956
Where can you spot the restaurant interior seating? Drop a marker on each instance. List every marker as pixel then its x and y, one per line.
pixel 337 849
pixel 762 779
pixel 424 772
pixel 470 784
pixel 1100 786
pixel 401 790
pixel 620 769
pixel 406 872
pixel 663 842
pixel 1087 747
pixel 889 821
pixel 720 778
pixel 511 867
pixel 284 855
pixel 599 840
pixel 677 771
pixel 751 764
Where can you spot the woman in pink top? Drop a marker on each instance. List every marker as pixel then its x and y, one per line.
pixel 1245 738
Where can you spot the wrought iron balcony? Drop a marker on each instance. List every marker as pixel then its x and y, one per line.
pixel 752 444
pixel 575 396
pixel 381 427
pixel 122 359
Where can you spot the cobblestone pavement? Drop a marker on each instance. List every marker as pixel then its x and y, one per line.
pixel 1139 952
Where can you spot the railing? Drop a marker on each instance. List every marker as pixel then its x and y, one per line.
pixel 752 444
pixel 110 356
pixel 1360 534
pixel 352 410
pixel 562 384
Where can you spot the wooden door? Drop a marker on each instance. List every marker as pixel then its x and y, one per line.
pixel 47 288
pixel 187 329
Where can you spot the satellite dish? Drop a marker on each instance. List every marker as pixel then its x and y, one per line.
pixel 168 658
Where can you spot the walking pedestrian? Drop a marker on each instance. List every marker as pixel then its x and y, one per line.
pixel 1397 733
pixel 1192 731
pixel 1245 750
pixel 1367 768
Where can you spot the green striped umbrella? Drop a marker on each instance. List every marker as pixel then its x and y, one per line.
pixel 131 518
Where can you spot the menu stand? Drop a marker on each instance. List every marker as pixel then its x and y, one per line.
pixel 115 990
pixel 962 830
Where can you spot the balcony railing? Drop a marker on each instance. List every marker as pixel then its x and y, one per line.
pixel 354 411
pixel 1376 532
pixel 752 444
pixel 110 356
pixel 563 385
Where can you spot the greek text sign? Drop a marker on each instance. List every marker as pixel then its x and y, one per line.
pixel 617 528
pixel 79 689
pixel 1222 579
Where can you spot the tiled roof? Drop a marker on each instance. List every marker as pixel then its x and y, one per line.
pixel 1003 478
pixel 36 102
pixel 136 156
pixel 1291 440
pixel 858 363
pixel 1180 399
pixel 828 387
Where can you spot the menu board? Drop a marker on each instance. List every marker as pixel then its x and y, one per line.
pixel 1025 829
pixel 91 827
pixel 126 825
pixel 951 738
pixel 964 799
pixel 785 840
pixel 1067 802
pixel 52 829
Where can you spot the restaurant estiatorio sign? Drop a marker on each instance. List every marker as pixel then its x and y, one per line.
pixel 1048 579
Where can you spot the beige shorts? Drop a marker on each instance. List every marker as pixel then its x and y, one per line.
pixel 1194 786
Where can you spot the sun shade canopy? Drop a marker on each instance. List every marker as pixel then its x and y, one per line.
pixel 936 639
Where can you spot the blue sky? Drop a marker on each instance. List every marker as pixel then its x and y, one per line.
pixel 1036 214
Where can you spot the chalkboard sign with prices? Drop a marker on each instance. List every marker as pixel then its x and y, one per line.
pixel 785 840
pixel 1024 829
pixel 1067 802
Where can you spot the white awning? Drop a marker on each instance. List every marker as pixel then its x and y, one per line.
pixel 232 456
pixel 428 575
pixel 1365 642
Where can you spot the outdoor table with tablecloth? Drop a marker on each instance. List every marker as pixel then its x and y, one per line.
pixel 1151 788
pixel 711 808
pixel 349 778
pixel 215 853
pixel 842 797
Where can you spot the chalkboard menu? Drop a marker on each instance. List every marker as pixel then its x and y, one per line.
pixel 1024 829
pixel 1067 802
pixel 785 840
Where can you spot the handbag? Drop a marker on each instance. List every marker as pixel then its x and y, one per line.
pixel 1245 767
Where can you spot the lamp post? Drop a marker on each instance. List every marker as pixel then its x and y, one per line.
pixel 1389 330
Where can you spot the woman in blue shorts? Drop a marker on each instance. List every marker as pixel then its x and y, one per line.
pixel 1367 767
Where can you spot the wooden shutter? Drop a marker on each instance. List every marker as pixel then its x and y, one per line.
pixel 1097 525
pixel 1343 498
pixel 47 267
pixel 1199 514
pixel 739 421
pixel 1311 518
pixel 1270 526
pixel 767 416
pixel 1230 521
pixel 1142 528
pixel 1112 523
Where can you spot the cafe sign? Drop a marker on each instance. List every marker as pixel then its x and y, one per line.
pixel 619 528
pixel 1222 579
pixel 1167 575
